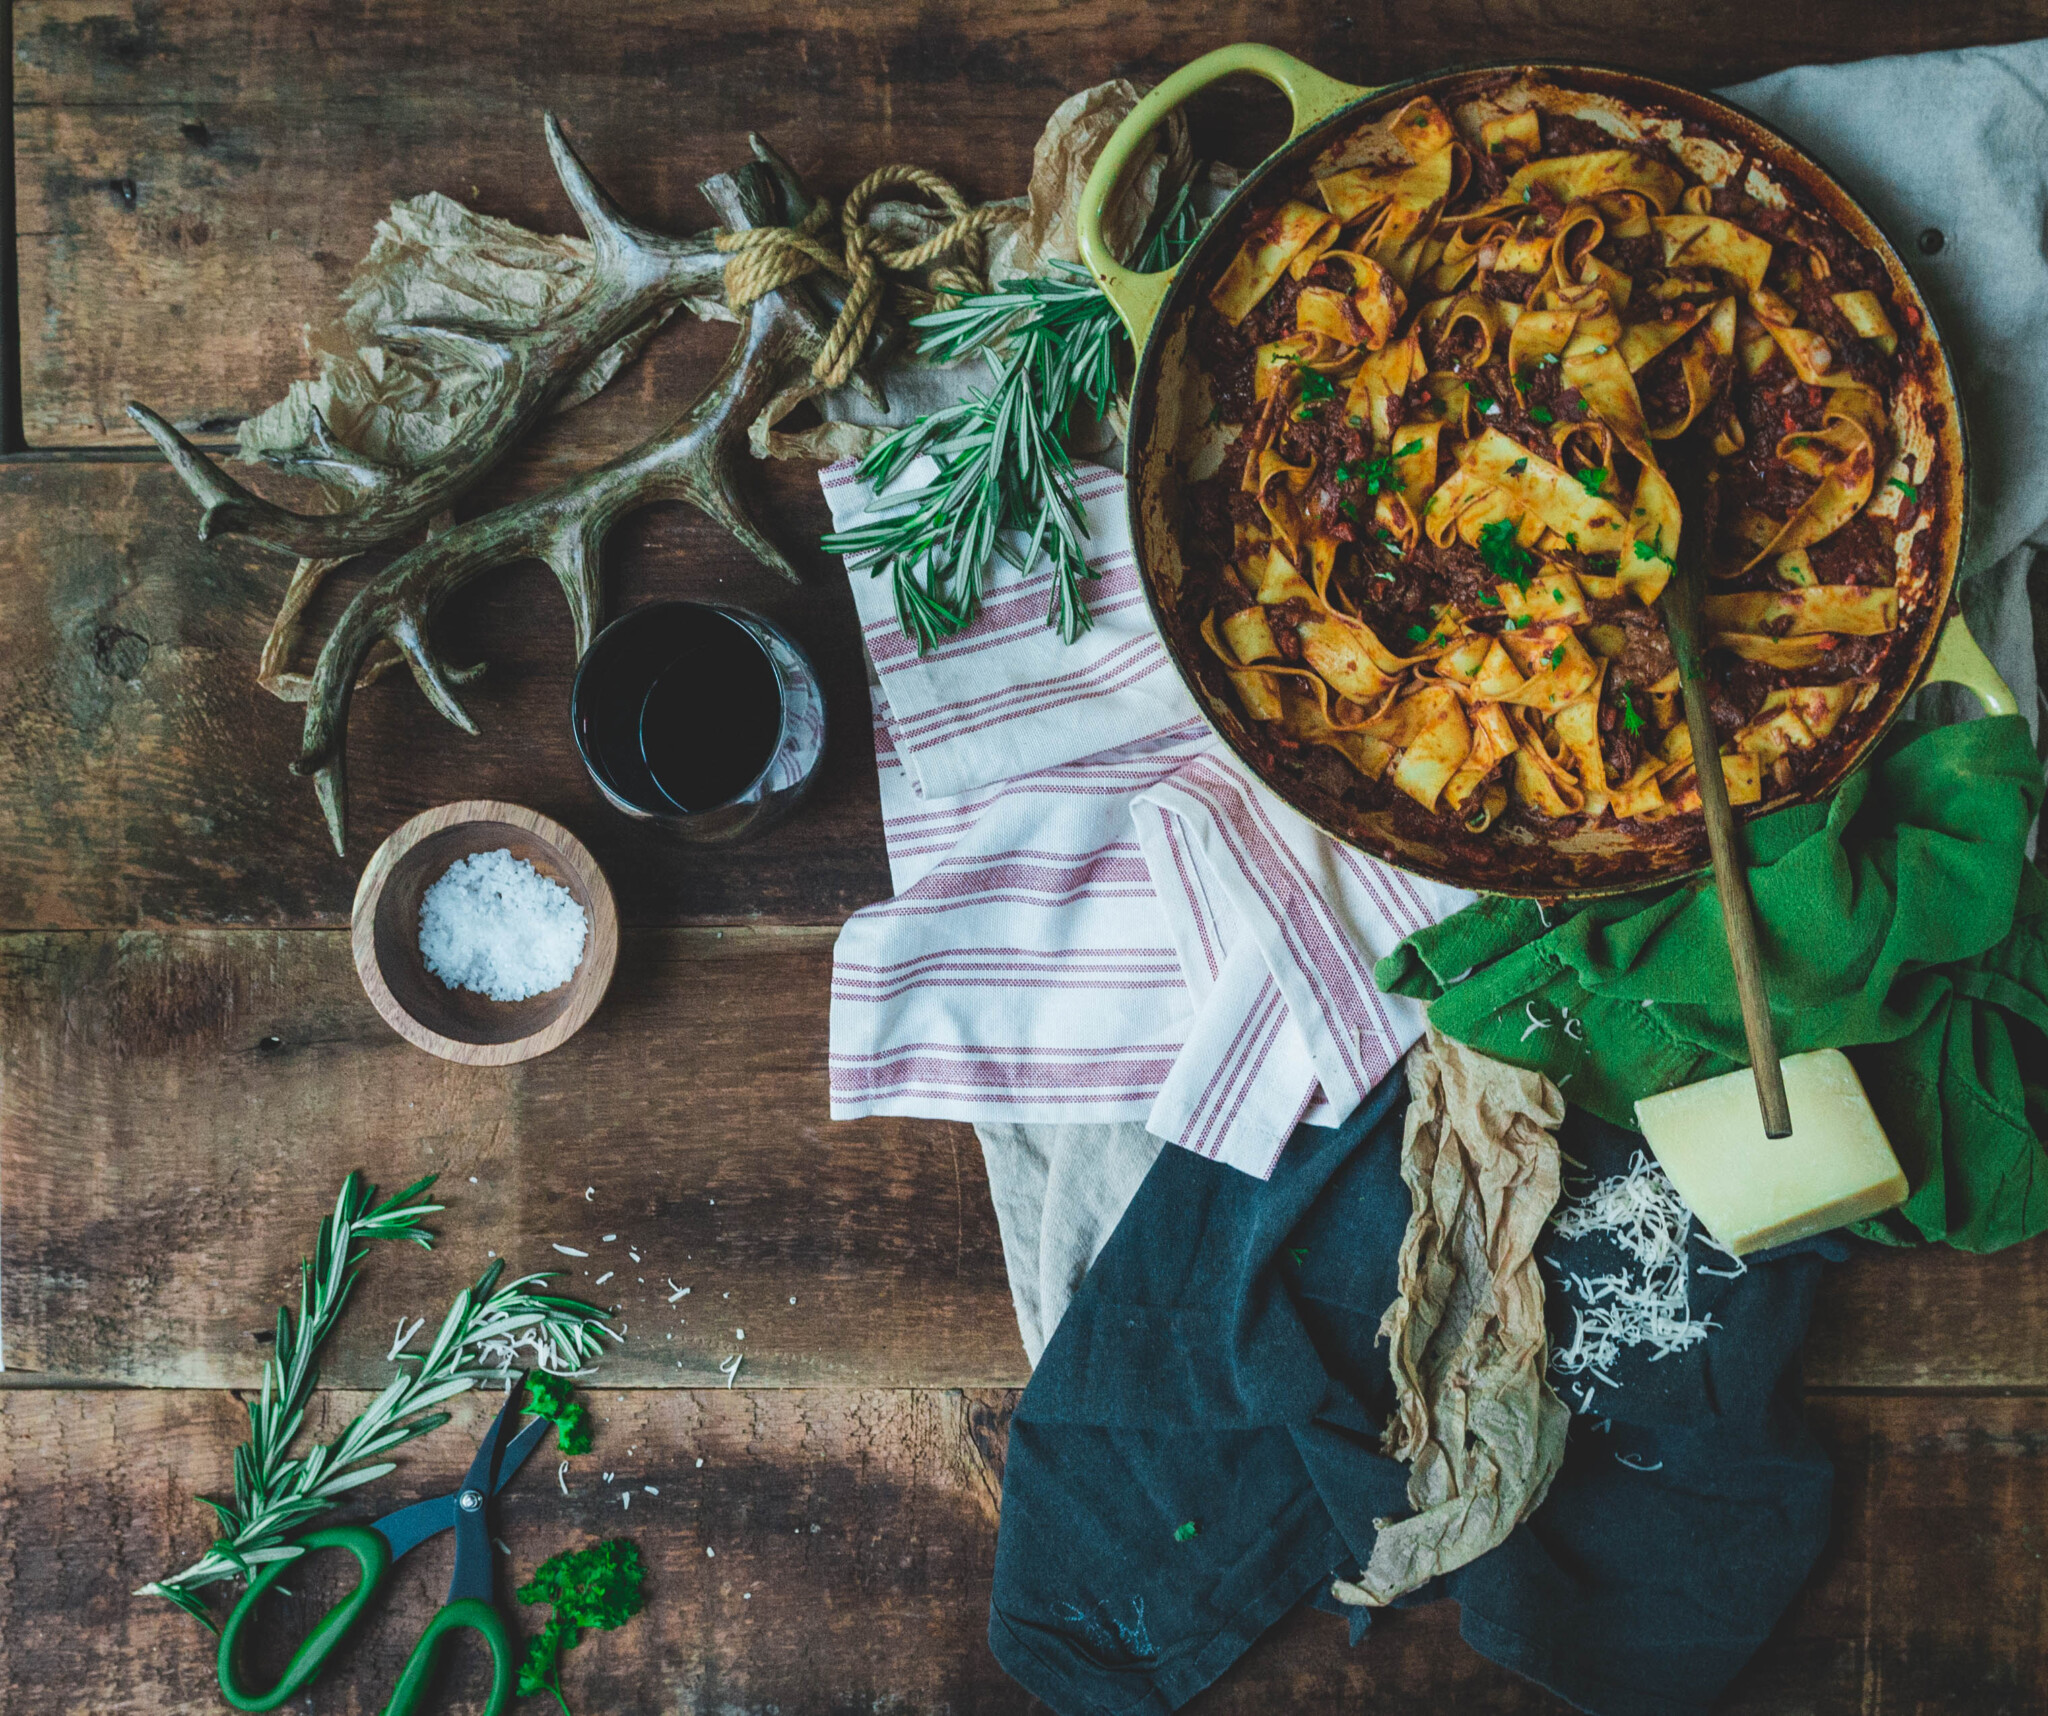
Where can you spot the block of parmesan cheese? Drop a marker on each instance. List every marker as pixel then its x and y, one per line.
pixel 1752 1192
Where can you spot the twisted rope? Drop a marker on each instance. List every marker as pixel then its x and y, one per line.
pixel 767 258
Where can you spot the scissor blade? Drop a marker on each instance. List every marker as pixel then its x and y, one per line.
pixel 473 1575
pixel 409 1527
pixel 483 1470
pixel 517 1451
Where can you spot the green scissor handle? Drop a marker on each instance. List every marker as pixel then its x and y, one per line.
pixel 373 1555
pixel 477 1615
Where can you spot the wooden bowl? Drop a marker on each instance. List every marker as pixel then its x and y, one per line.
pixel 459 1024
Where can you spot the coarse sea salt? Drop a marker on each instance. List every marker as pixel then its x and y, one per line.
pixel 494 924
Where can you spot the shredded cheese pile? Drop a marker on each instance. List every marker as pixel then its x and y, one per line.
pixel 1647 1304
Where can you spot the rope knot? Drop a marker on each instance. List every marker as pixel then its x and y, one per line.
pixel 765 259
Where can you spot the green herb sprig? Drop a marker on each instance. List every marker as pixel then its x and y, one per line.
pixel 1004 472
pixel 276 1493
pixel 596 1588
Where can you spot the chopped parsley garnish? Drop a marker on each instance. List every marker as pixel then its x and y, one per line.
pixel 1183 1533
pixel 1542 414
pixel 1356 420
pixel 1378 573
pixel 1487 599
pixel 1907 489
pixel 1517 621
pixel 1412 447
pixel 1592 478
pixel 1349 509
pixel 1556 595
pixel 1653 549
pixel 1556 657
pixel 1631 722
pixel 1315 388
pixel 1314 384
pixel 1518 467
pixel 1417 633
pixel 1548 357
pixel 1376 474
pixel 553 1398
pixel 1504 556
pixel 1388 542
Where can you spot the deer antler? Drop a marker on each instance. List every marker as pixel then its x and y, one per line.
pixel 696 459
pixel 635 276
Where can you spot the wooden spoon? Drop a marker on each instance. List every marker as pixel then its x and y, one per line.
pixel 1681 605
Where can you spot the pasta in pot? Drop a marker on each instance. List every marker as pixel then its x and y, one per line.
pixel 1453 366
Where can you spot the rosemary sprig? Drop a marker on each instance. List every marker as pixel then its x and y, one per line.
pixel 487 1326
pixel 1003 468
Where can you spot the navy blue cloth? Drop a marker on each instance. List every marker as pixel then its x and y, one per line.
pixel 1198 1451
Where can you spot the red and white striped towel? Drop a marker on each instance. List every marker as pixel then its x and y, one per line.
pixel 1099 916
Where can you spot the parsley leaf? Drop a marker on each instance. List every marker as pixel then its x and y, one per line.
pixel 1315 384
pixel 1349 509
pixel 1591 479
pixel 1517 621
pixel 1907 489
pixel 1504 556
pixel 1518 467
pixel 1542 414
pixel 1650 551
pixel 554 1398
pixel 1556 657
pixel 1412 447
pixel 1417 633
pixel 1631 722
pixel 597 1588
pixel 1182 1533
pixel 1487 599
pixel 1376 474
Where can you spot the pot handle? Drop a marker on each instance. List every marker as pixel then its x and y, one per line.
pixel 1313 96
pixel 1959 661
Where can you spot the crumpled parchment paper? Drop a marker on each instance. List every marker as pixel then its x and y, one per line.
pixel 431 259
pixel 434 258
pixel 1477 1423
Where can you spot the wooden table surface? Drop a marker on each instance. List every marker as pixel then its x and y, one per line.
pixel 189 1063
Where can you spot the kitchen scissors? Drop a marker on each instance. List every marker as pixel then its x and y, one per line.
pixel 466 1512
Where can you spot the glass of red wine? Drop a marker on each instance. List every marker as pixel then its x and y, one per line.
pixel 702 718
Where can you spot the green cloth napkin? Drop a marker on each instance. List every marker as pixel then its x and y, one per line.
pixel 1900 920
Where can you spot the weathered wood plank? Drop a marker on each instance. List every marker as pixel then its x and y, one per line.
pixel 176 1110
pixel 145 773
pixel 854 1538
pixel 195 182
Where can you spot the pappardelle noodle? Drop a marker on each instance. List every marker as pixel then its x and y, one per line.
pixel 1458 368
